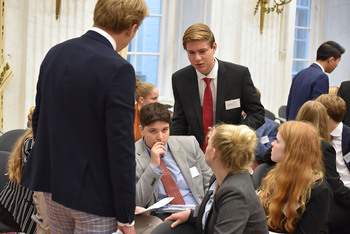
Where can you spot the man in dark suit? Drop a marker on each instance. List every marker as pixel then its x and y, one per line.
pixel 232 89
pixel 84 156
pixel 344 93
pixel 340 140
pixel 311 82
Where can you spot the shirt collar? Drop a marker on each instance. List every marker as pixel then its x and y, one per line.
pixel 337 132
pixel 106 35
pixel 212 74
pixel 320 66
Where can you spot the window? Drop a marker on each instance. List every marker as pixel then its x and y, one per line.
pixel 302 35
pixel 143 52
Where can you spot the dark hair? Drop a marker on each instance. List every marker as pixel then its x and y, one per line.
pixel 153 112
pixel 329 49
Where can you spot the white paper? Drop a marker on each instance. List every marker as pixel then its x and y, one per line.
pixel 157 205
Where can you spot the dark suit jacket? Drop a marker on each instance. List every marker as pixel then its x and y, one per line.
pixel 268 129
pixel 236 208
pixel 84 151
pixel 307 85
pixel 346 142
pixel 344 92
pixel 233 82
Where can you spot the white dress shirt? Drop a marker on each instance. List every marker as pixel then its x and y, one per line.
pixel 340 163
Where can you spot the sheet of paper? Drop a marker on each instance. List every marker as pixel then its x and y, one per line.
pixel 157 205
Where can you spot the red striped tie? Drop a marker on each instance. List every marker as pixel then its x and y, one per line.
pixel 170 186
pixel 207 111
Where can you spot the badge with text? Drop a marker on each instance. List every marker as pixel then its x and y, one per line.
pixel 264 139
pixel 347 157
pixel 194 172
pixel 232 104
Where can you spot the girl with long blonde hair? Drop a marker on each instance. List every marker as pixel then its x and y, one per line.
pixel 294 194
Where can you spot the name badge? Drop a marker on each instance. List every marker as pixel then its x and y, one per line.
pixel 347 157
pixel 232 104
pixel 194 172
pixel 264 140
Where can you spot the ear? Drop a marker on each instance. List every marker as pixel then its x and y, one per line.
pixel 141 100
pixel 141 129
pixel 131 31
pixel 331 60
pixel 214 47
pixel 214 153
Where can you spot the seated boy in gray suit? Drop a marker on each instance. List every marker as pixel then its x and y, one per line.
pixel 181 155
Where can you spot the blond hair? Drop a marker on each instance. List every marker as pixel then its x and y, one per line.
pixel 118 15
pixel 335 106
pixel 14 164
pixel 236 145
pixel 333 90
pixel 315 113
pixel 198 32
pixel 291 181
pixel 143 89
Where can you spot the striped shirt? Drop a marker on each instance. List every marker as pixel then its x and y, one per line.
pixel 18 200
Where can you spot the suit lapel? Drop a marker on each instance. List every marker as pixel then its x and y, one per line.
pixel 193 85
pixel 345 143
pixel 181 160
pixel 220 93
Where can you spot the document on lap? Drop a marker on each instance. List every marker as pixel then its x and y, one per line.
pixel 157 205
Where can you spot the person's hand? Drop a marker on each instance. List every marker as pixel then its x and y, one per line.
pixel 179 217
pixel 127 230
pixel 157 151
pixel 140 209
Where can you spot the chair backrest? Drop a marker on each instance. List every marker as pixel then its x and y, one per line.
pixel 282 114
pixel 8 139
pixel 259 174
pixel 4 155
pixel 270 115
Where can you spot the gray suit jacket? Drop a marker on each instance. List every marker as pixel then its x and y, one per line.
pixel 187 154
pixel 236 208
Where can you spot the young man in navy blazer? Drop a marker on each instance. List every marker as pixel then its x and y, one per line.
pixel 84 155
pixel 311 82
pixel 340 140
pixel 231 86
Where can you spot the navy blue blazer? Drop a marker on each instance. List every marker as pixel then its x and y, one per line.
pixel 268 129
pixel 234 82
pixel 84 151
pixel 344 93
pixel 346 142
pixel 307 85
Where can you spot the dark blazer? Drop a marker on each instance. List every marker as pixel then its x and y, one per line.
pixel 346 142
pixel 344 92
pixel 236 208
pixel 84 151
pixel 234 82
pixel 307 85
pixel 268 129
